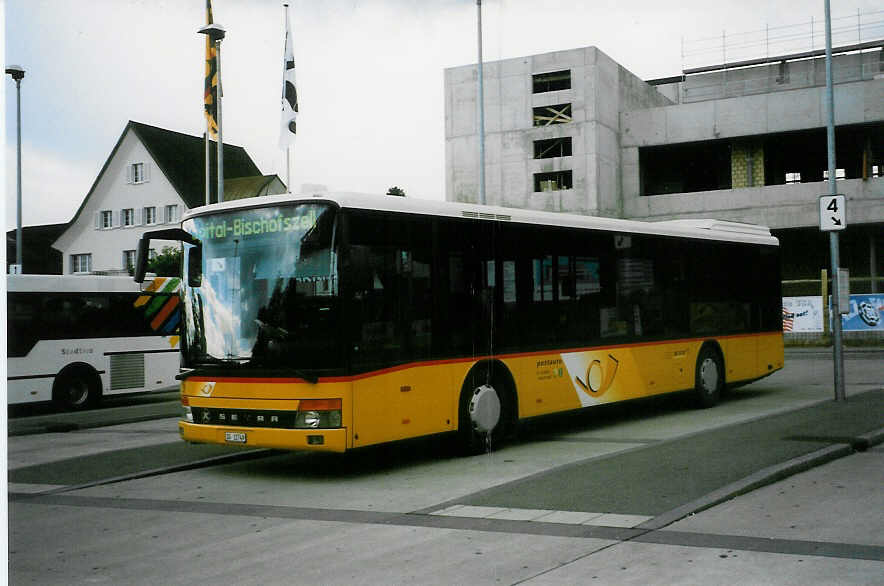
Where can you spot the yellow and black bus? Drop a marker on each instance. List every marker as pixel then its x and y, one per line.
pixel 340 321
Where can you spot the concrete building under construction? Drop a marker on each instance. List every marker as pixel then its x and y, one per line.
pixel 574 131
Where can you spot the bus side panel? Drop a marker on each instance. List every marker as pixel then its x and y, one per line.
pixel 740 358
pixel 29 390
pixel 406 403
pixel 548 383
pixel 43 362
pixel 770 353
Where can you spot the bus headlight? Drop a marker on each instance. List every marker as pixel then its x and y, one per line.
pixel 318 413
pixel 188 414
pixel 311 419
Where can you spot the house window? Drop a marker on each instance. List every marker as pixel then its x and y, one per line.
pixel 171 214
pixel 128 215
pixel 81 263
pixel 137 173
pixel 107 219
pixel 552 81
pixel 553 147
pixel 553 181
pixel 793 177
pixel 558 114
pixel 150 215
pixel 128 260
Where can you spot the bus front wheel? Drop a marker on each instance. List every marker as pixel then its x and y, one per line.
pixel 486 413
pixel 76 388
pixel 709 379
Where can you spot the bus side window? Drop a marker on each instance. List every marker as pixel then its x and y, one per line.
pixel 25 323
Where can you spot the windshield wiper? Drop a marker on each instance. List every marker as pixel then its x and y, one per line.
pixel 222 368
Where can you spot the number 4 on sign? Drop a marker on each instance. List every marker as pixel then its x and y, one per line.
pixel 833 213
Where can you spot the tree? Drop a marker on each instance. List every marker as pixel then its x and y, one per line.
pixel 396 191
pixel 167 263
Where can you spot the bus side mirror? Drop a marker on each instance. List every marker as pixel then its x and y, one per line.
pixel 144 247
pixel 141 259
pixel 194 266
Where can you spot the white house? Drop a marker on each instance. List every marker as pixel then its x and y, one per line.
pixel 150 179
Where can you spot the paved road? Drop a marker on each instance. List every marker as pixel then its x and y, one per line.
pixel 604 496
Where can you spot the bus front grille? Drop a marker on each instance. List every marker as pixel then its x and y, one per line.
pixel 244 417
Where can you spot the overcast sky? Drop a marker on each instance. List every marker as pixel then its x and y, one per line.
pixel 369 76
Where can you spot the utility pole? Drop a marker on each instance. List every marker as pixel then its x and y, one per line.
pixel 481 113
pixel 837 348
pixel 18 74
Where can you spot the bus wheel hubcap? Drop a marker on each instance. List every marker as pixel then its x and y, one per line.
pixel 485 409
pixel 709 375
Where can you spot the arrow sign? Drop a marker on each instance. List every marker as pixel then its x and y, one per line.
pixel 833 213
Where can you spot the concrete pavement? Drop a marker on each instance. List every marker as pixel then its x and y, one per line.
pixel 658 495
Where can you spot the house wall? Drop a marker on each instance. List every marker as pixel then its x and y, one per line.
pixel 114 192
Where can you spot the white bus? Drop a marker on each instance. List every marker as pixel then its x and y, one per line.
pixel 73 339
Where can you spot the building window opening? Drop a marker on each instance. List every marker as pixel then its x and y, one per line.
pixel 793 177
pixel 683 168
pixel 107 219
pixel 553 147
pixel 128 217
pixel 552 81
pixel 554 181
pixel 128 260
pixel 150 215
pixel 557 114
pixel 137 173
pixel 81 263
pixel 839 174
pixel 171 214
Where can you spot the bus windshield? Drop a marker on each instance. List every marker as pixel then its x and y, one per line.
pixel 261 288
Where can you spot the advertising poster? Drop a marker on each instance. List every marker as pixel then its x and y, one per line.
pixel 866 314
pixel 802 314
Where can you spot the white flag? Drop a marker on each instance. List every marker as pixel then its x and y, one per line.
pixel 289 93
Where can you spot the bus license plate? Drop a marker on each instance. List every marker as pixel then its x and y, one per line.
pixel 235 437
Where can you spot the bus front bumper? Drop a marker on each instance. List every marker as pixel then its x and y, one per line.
pixel 323 440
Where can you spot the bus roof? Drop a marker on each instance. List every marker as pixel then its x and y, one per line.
pixel 73 284
pixel 706 229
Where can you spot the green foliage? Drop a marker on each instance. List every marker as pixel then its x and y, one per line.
pixel 167 263
pixel 395 190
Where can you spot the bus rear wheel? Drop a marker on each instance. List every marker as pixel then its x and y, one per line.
pixel 709 377
pixel 76 389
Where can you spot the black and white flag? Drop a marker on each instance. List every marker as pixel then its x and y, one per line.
pixel 289 93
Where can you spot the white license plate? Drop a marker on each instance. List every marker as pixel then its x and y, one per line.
pixel 235 437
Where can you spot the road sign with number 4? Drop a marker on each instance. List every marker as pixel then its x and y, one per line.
pixel 833 213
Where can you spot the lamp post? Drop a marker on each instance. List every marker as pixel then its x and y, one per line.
pixel 216 34
pixel 18 73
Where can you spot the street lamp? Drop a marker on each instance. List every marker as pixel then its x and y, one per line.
pixel 216 33
pixel 18 73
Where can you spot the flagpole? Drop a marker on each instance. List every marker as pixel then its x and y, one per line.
pixel 220 164
pixel 289 101
pixel 208 174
